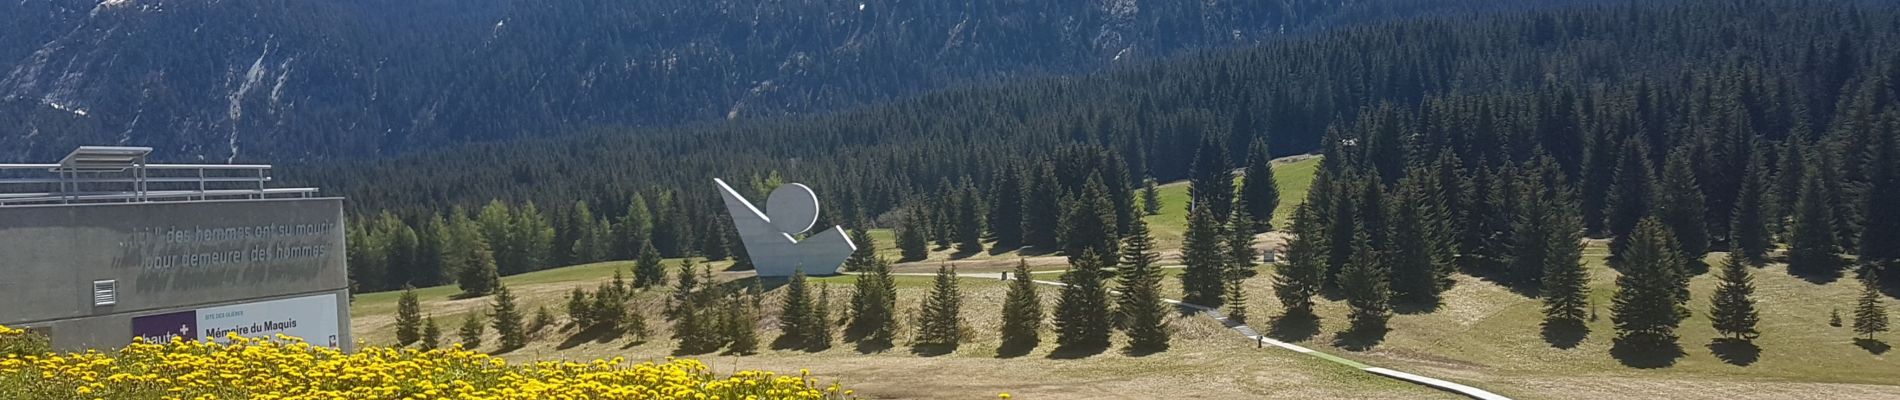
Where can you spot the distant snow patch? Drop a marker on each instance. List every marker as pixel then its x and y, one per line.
pixel 71 109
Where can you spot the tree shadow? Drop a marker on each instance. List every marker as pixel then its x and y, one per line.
pixel 962 254
pixel 1033 251
pixel 1416 307
pixel 633 343
pixel 598 334
pixel 1294 328
pixel 1874 346
pixel 999 250
pixel 466 296
pixel 1133 351
pixel 1735 351
pixel 1361 338
pixel 932 349
pixel 1821 274
pixel 1077 352
pixel 1565 334
pixel 1646 352
pixel 871 346
pixel 788 342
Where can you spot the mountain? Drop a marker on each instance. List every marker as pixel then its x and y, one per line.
pixel 297 80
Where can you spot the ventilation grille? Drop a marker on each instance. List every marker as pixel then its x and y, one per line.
pixel 105 293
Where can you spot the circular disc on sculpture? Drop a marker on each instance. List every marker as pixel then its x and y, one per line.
pixel 793 208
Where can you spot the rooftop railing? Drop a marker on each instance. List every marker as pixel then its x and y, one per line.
pixel 96 174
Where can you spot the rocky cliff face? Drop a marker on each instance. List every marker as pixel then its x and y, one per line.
pixel 289 80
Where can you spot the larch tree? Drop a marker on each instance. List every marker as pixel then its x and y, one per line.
pixel 1732 308
pixel 1143 315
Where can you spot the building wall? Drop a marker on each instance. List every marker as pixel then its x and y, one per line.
pixel 166 258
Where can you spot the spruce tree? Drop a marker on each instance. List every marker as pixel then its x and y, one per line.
pixel 1082 312
pixel 1414 276
pixel 684 290
pixel 1238 244
pixel 1259 192
pixel 866 254
pixel 1748 232
pixel 874 305
pixel 1201 250
pixel 1042 210
pixel 471 332
pixel 647 270
pixel 1143 315
pixel 819 338
pixel 1629 196
pixel 1647 309
pixel 1150 197
pixel 1211 180
pixel 408 317
pixel 1531 227
pixel 1089 226
pixel 1790 175
pixel 431 334
pixel 1880 204
pixel 1297 280
pixel 1006 207
pixel 1681 205
pixel 1870 317
pixel 913 236
pixel 740 322
pixel 1235 298
pixel 1732 308
pixel 579 308
pixel 480 276
pixel 508 319
pixel 1812 249
pixel 969 220
pixel 942 322
pixel 609 308
pixel 796 316
pixel 1366 287
pixel 1564 283
pixel 543 318
pixel 1022 311
pixel 634 229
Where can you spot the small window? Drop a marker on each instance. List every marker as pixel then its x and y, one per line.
pixel 105 292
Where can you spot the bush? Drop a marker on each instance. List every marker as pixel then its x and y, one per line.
pixel 288 368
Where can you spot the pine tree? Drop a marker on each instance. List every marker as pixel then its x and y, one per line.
pixel 408 317
pixel 1142 314
pixel 647 270
pixel 1366 287
pixel 1022 310
pixel 1201 250
pixel 865 255
pixel 820 336
pixel 1297 280
pixel 1089 226
pixel 1082 312
pixel 1870 317
pixel 1748 233
pixel 913 237
pixel 1732 308
pixel 1211 182
pixel 796 316
pixel 1006 207
pixel 1150 197
pixel 508 319
pixel 1680 205
pixel 969 220
pixel 874 305
pixel 942 322
pixel 741 326
pixel 1259 191
pixel 431 334
pixel 1811 247
pixel 1647 306
pixel 471 332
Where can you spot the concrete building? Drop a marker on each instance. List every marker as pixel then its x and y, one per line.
pixel 102 247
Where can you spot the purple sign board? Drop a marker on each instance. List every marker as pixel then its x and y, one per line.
pixel 161 328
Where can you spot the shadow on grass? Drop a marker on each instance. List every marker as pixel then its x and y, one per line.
pixel 1565 334
pixel 1361 338
pixel 1416 307
pixel 1076 352
pixel 1294 328
pixel 1646 352
pixel 1735 351
pixel 598 334
pixel 871 346
pixel 962 254
pixel 1873 346
pixel 932 349
pixel 1013 350
pixel 636 342
pixel 1132 351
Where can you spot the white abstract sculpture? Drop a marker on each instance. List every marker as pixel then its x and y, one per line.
pixel 768 236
